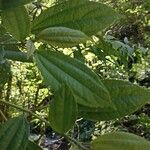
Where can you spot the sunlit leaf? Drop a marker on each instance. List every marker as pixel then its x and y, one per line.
pixel 84 15
pixel 62 36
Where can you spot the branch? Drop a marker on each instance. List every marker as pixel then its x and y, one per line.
pixel 2 114
pixel 25 110
pixel 46 122
pixel 75 142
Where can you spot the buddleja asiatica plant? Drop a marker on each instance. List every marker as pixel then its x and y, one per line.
pixel 78 91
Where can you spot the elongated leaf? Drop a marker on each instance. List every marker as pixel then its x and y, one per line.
pixel 62 37
pixel 32 146
pixel 16 21
pixel 7 4
pixel 18 56
pixel 57 68
pixel 14 134
pixel 84 15
pixel 120 141
pixel 126 97
pixel 63 110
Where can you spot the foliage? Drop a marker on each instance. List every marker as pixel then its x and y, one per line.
pixel 16 24
pixel 65 100
pixel 125 97
pixel 61 36
pixel 10 137
pixel 120 140
pixel 75 90
pixel 76 75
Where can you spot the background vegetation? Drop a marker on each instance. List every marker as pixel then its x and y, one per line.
pixel 121 51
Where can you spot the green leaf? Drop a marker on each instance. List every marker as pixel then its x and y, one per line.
pixel 57 68
pixel 14 134
pixel 6 39
pixel 120 141
pixel 63 110
pixel 18 56
pixel 84 15
pixel 127 98
pixel 32 146
pixel 62 36
pixel 8 4
pixel 17 23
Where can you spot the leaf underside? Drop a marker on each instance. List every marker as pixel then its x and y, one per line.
pixel 62 36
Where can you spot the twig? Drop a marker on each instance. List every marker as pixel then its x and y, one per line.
pixel 25 110
pixel 2 114
pixel 75 142
pixel 46 122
